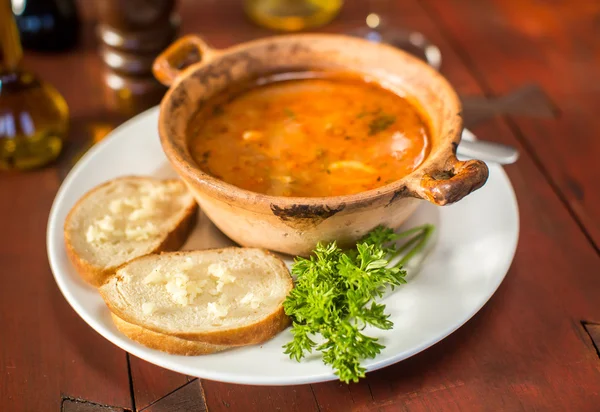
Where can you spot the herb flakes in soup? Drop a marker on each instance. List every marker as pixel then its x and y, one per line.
pixel 326 135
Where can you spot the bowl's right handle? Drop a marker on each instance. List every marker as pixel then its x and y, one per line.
pixel 186 51
pixel 455 181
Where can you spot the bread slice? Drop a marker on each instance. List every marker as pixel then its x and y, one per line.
pixel 165 343
pixel 126 218
pixel 231 296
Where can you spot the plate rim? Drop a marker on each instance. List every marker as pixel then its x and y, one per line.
pixel 141 352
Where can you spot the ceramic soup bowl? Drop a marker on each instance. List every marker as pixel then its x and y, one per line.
pixel 196 73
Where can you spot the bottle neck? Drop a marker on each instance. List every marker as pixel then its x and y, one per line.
pixel 10 44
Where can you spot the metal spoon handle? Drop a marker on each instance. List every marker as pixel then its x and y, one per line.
pixel 488 151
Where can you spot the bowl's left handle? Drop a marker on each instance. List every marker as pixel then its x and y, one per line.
pixel 178 56
pixel 456 180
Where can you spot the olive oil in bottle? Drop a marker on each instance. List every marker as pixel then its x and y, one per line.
pixel 33 115
pixel 292 15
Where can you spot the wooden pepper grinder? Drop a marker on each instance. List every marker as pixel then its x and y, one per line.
pixel 132 33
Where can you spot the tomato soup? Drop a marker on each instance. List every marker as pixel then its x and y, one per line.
pixel 310 136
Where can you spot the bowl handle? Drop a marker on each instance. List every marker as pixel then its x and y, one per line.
pixel 183 53
pixel 456 180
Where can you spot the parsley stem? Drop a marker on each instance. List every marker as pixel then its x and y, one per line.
pixel 415 229
pixel 414 245
pixel 335 297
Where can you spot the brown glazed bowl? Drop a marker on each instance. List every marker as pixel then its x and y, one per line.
pixel 196 72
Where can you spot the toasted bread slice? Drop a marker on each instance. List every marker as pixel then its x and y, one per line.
pixel 231 296
pixel 126 218
pixel 165 343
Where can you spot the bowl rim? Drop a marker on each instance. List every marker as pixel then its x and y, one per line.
pixel 406 186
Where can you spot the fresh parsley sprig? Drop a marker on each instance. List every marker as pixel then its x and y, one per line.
pixel 335 297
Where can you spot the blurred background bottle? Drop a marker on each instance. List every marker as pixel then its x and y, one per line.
pixel 47 25
pixel 292 15
pixel 33 115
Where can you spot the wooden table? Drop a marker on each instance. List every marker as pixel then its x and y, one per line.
pixel 534 346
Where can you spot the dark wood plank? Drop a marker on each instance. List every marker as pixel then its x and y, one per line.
pixel 81 405
pixel 556 45
pixel 337 396
pixel 221 397
pixel 46 350
pixel 188 398
pixel 151 382
pixel 593 329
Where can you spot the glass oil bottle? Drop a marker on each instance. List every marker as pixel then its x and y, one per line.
pixel 33 115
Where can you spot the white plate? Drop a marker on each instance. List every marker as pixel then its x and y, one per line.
pixel 473 248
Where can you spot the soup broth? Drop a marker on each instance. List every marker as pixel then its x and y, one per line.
pixel 319 136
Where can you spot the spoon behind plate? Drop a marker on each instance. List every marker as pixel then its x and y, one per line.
pixel 488 151
pixel 416 44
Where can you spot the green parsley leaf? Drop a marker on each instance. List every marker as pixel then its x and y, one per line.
pixel 289 113
pixel 380 123
pixel 335 297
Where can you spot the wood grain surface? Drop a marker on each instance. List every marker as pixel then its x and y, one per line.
pixel 593 330
pixel 188 398
pixel 151 382
pixel 530 348
pixel 556 44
